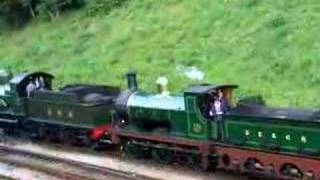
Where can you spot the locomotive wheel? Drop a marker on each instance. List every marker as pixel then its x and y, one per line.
pixel 95 145
pixel 249 165
pixel 92 144
pixel 163 156
pixel 270 171
pixel 213 163
pixel 36 132
pixel 57 135
pixel 192 160
pixel 181 158
pixel 252 165
pixel 67 137
pixel 33 131
pixel 135 151
pixel 41 133
pixel 87 142
pixel 71 138
pixel 291 171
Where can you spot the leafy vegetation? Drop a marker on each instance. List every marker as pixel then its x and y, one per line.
pixel 268 47
pixel 18 12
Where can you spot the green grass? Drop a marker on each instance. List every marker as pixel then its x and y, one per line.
pixel 268 47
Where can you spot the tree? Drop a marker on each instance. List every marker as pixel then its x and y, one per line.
pixel 18 12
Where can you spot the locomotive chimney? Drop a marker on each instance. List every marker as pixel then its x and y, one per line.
pixel 132 80
pixel 162 85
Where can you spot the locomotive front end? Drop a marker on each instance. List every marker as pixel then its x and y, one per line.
pixel 150 112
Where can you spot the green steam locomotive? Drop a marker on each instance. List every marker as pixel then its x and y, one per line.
pixel 276 142
pixel 170 128
pixel 76 113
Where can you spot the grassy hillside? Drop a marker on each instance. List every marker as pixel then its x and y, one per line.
pixel 269 47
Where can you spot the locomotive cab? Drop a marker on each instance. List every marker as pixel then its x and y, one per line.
pixel 206 95
pixel 18 89
pixel 40 80
pixel 199 103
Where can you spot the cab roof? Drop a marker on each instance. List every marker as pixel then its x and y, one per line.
pixel 20 78
pixel 206 88
pixel 20 81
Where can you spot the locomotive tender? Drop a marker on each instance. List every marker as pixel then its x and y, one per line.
pixel 275 142
pixel 76 113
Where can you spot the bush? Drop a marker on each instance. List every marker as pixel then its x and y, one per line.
pixel 15 12
pixel 52 8
pixel 18 12
pixel 104 6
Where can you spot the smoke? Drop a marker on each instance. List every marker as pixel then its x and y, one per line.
pixel 191 72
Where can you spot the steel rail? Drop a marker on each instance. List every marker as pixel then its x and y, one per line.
pixel 9 154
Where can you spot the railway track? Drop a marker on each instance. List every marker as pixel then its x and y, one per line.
pixel 3 177
pixel 62 168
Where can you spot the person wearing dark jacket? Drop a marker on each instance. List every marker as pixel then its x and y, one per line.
pixel 219 107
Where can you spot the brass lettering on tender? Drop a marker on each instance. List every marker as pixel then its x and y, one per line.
pixel 247 132
pixel 59 112
pixel 70 114
pixel 49 112
pixel 288 137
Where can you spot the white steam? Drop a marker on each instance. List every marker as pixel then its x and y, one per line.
pixel 191 72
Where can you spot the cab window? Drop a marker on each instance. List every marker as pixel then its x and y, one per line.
pixel 216 102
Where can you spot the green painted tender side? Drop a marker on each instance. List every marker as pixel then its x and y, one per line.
pixel 66 109
pixel 273 134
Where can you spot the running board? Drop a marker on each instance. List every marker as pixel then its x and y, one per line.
pixel 8 120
